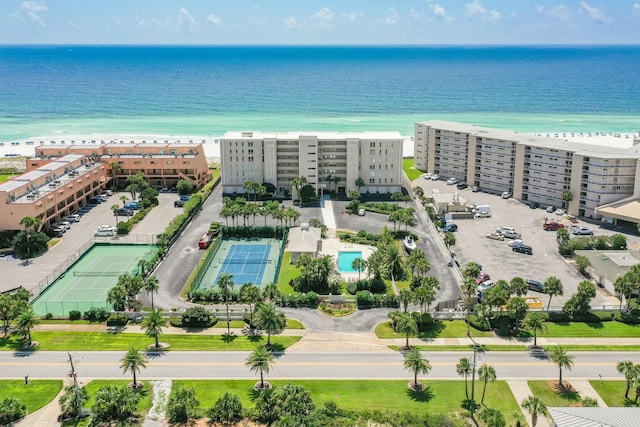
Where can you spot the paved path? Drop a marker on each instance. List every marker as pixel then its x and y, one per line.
pixel 521 391
pixel 327 214
pixel 585 389
pixel 46 416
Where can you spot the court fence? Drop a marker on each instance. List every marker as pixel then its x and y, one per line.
pixel 131 239
pixel 62 308
pixel 195 279
pixel 283 243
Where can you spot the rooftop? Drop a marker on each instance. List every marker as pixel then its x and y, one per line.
pixel 322 135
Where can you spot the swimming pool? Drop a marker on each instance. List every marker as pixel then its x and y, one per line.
pixel 345 259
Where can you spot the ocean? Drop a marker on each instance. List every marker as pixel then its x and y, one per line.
pixel 58 90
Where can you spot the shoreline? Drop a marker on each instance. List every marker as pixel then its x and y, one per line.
pixel 19 147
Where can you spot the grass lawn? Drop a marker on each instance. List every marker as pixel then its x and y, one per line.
pixel 440 397
pixel 92 388
pixel 75 341
pixel 612 392
pixel 592 330
pixel 4 177
pixel 409 170
pixel 35 395
pixel 288 272
pixel 236 324
pixel 51 243
pixel 443 329
pixel 550 397
pixel 464 347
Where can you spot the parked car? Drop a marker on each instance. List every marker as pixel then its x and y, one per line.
pixel 550 209
pixel 427 175
pixel 108 192
pixel 65 224
pixel 57 231
pixel 107 228
pixel 534 205
pixel 105 231
pixel 178 203
pixel 560 211
pixel 495 236
pixel 508 232
pixel 133 205
pixel 95 200
pixel 452 181
pixel 462 185
pixel 582 231
pixel 482 277
pixel 506 194
pixel 475 189
pixel 72 218
pixel 515 243
pixel 487 284
pixel 124 212
pixel 535 285
pixel 450 228
pixel 435 177
pixel 185 198
pixel 523 249
pixel 552 226
pixel 361 212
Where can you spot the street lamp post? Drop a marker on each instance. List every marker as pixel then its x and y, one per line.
pixel 474 364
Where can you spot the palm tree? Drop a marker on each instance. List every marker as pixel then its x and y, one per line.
pixel 269 319
pixel 552 287
pixel 151 285
pixel 124 199
pixel 449 239
pixel 153 324
pixel 260 361
pixel 534 406
pixel 298 183
pixel 630 371
pixel 115 208
pixel 225 282
pixel 471 270
pixel 115 168
pixel 392 261
pixel 405 296
pixel 30 222
pixel 416 363
pixel 535 322
pixel 25 322
pixel 359 183
pixel 133 361
pixel 518 286
pixel 358 264
pixel 562 360
pixel 117 296
pixel 250 294
pixel 463 368
pixel 486 373
pixel 407 326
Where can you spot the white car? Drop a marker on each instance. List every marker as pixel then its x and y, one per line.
pixel 487 284
pixel 560 211
pixel 72 218
pixel 506 194
pixel 427 175
pixel 550 209
pixel 106 228
pixel 435 177
pixel 452 181
pixel 515 243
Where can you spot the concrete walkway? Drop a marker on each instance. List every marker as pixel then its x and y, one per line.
pixel 327 214
pixel 585 389
pixel 46 416
pixel 521 391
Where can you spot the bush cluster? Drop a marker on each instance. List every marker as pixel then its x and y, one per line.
pixel 375 285
pixel 117 320
pixel 254 231
pixel 361 238
pixel 213 296
pixel 75 315
pixel 299 299
pixel 366 299
pixel 380 207
pixel 197 317
pixel 96 314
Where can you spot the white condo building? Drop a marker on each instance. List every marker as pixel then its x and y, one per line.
pixel 604 181
pixel 327 160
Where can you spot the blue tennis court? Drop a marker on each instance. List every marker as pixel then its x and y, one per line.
pixel 247 260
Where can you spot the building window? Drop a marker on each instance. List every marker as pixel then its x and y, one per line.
pixel 372 180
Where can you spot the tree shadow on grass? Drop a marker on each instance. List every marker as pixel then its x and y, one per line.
pixel 423 396
pixel 434 332
pixel 228 338
pixel 567 392
pixel 254 338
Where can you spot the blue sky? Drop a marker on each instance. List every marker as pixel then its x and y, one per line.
pixel 415 22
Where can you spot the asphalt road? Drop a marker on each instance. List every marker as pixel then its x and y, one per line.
pixel 294 365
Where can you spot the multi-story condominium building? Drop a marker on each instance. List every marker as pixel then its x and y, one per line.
pixel 61 179
pixel 333 161
pixel 535 169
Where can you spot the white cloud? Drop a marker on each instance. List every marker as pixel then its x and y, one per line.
pixel 392 18
pixel 324 17
pixel 73 25
pixel 561 12
pixel 476 10
pixel 291 24
pixel 594 13
pixel 636 9
pixel 414 14
pixel 34 6
pixel 440 12
pixel 149 23
pixel 214 20
pixel 185 21
pixel 350 16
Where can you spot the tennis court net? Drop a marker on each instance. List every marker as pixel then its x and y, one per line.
pixel 97 273
pixel 244 261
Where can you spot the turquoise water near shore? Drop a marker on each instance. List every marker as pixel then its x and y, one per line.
pixel 63 90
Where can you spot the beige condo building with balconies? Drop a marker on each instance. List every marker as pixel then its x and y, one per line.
pixel 329 161
pixel 535 169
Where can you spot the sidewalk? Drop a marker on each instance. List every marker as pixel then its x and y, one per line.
pixel 521 391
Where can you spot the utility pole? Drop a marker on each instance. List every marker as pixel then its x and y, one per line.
pixel 74 375
pixel 473 375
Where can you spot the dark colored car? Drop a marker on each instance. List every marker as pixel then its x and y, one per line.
pixel 124 212
pixel 462 185
pixel 552 226
pixel 450 228
pixel 534 205
pixel 535 285
pixel 178 203
pixel 523 249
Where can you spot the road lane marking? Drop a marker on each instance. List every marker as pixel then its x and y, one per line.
pixel 296 364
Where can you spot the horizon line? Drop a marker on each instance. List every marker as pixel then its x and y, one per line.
pixel 354 45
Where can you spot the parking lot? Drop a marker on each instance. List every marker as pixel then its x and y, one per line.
pixel 498 259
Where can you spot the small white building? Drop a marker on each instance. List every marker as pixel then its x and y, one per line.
pixel 595 417
pixel 304 240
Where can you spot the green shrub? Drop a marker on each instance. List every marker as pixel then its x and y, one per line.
pixel 124 227
pixel 96 314
pixel 11 409
pixel 375 286
pixel 425 321
pixel 48 316
pixel 117 320
pixel 75 315
pixel 196 317
pixel 479 323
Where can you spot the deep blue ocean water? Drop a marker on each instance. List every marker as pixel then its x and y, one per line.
pixel 209 90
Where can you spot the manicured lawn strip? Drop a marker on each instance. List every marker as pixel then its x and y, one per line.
pixel 35 395
pixel 442 396
pixel 409 170
pixel 550 397
pixel 612 392
pixel 288 272
pixel 444 329
pixel 591 330
pixel 599 347
pixel 75 341
pixel 236 324
pixel 4 177
pixel 294 324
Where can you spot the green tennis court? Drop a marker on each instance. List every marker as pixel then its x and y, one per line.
pixel 86 283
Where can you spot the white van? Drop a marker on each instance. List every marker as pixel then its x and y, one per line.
pixel 482 211
pixel 103 233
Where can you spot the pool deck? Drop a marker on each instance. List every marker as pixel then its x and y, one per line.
pixel 333 245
